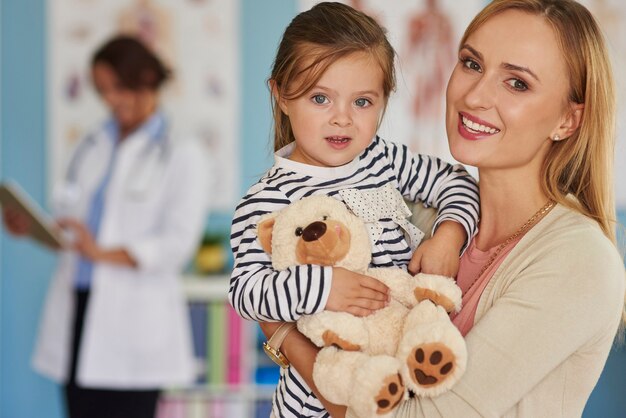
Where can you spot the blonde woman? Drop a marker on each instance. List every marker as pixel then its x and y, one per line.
pixel 531 104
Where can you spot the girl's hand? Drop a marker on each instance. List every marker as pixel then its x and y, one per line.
pixel 440 254
pixel 15 221
pixel 355 293
pixel 82 242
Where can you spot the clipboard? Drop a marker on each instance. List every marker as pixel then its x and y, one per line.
pixel 43 229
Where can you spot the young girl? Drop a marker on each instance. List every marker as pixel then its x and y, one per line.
pixel 331 80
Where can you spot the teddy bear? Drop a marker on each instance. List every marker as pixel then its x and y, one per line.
pixel 369 363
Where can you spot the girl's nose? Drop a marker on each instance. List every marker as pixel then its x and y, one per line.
pixel 341 116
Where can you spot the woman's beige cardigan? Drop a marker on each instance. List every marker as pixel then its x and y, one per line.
pixel 544 327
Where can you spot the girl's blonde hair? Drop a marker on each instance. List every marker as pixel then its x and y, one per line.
pixel 313 41
pixel 581 165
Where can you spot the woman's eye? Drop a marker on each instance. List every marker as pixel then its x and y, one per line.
pixel 320 99
pixel 298 231
pixel 471 64
pixel 517 84
pixel 362 102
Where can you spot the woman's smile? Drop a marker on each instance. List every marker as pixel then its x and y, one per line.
pixel 473 128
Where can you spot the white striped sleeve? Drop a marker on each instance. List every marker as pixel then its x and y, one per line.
pixel 436 183
pixel 257 291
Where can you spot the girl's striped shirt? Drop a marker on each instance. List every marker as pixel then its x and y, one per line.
pixel 260 293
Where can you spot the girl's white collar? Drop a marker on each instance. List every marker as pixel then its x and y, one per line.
pixel 281 159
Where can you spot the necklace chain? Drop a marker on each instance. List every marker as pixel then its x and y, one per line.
pixel 533 219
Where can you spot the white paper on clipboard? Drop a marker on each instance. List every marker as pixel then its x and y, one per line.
pixel 43 228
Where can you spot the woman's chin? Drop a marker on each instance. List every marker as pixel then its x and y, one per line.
pixel 463 154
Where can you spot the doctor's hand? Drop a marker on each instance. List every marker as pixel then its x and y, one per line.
pixel 84 243
pixel 82 239
pixel 15 221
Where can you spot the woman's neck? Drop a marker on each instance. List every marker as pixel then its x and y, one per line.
pixel 507 201
pixel 125 131
pixel 149 108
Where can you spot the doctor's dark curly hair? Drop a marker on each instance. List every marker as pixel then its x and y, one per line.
pixel 134 64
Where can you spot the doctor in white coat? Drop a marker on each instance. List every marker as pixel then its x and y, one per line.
pixel 115 326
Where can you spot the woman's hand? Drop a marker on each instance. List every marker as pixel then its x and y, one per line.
pixel 355 293
pixel 15 221
pixel 440 254
pixel 82 241
pixel 301 353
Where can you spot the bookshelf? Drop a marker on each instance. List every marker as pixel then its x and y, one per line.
pixel 235 378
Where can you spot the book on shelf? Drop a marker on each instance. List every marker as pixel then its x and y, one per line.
pixel 217 338
pixel 198 317
pixel 171 407
pixel 235 345
pixel 263 408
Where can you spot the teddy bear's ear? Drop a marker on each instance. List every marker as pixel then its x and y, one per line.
pixel 264 230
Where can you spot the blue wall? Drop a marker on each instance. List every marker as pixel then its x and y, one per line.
pixel 25 268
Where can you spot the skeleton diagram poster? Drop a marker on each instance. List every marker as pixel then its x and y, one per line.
pixel 425 34
pixel 197 39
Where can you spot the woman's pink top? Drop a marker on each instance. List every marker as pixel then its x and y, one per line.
pixel 472 261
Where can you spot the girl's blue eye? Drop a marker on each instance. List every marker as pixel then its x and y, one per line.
pixel 362 102
pixel 319 99
pixel 471 64
pixel 517 84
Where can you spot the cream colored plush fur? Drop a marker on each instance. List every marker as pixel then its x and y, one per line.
pixel 410 345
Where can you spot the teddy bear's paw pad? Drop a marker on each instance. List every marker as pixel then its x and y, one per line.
pixel 331 339
pixel 435 297
pixel 390 395
pixel 431 364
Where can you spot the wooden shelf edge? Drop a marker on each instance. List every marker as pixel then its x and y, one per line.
pixel 240 392
pixel 206 288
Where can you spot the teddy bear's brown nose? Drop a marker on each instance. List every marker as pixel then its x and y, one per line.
pixel 314 231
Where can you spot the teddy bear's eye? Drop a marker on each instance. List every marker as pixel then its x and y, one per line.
pixel 324 217
pixel 298 231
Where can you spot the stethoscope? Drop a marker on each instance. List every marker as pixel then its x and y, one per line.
pixel 144 173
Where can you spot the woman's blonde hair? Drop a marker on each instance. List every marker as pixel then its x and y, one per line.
pixel 581 165
pixel 313 41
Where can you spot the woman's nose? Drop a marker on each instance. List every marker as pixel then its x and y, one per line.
pixel 110 98
pixel 481 94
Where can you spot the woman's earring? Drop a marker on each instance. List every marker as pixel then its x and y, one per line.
pixel 556 138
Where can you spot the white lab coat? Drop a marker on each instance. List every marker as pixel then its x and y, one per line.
pixel 136 330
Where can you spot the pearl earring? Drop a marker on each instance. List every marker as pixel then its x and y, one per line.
pixel 556 138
